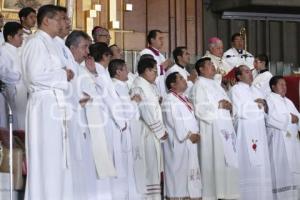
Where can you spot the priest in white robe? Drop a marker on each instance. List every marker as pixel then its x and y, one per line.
pixel 249 109
pixel 218 156
pixel 153 130
pixel 263 76
pixel 182 59
pixel 182 170
pixel 47 147
pixel 155 42
pixel 16 93
pixel 119 73
pixel 284 143
pixel 115 121
pixel 84 157
pixel 237 55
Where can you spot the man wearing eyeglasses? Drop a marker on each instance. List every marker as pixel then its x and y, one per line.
pixel 46 79
pixel 101 34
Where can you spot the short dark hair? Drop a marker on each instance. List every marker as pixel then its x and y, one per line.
pixel 264 58
pixel 113 45
pixel 234 36
pixel 62 9
pixel 238 72
pixel 171 78
pixel 74 38
pixel 200 63
pixel 114 65
pixel 24 12
pixel 274 80
pixel 98 50
pixel 146 56
pixel 146 63
pixel 178 51
pixel 46 11
pixel 11 28
pixel 152 35
pixel 95 30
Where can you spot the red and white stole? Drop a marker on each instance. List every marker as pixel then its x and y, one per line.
pixel 157 53
pixel 183 99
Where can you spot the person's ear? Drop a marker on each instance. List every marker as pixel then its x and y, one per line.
pixel 9 38
pixel 45 21
pixel 273 87
pixel 118 72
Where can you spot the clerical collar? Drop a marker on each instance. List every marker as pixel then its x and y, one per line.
pixel 27 31
pixel 240 51
pixel 262 71
pixel 180 65
pixel 155 51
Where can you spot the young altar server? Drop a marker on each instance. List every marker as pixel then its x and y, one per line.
pixel 153 130
pixel 9 53
pixel 249 109
pixel 218 156
pixel 182 170
pixel 284 142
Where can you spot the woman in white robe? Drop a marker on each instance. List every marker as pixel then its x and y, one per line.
pixel 284 142
pixel 182 169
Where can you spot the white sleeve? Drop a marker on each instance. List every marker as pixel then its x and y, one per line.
pixel 243 109
pixel 174 118
pixel 7 74
pixel 205 110
pixel 150 114
pixel 39 69
pixel 113 103
pixel 275 119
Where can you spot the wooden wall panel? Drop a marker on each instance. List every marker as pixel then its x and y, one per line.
pixel 199 27
pixel 180 22
pixel 136 20
pixel 172 25
pixel 80 15
pixel 191 26
pixel 103 15
pixel 158 15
